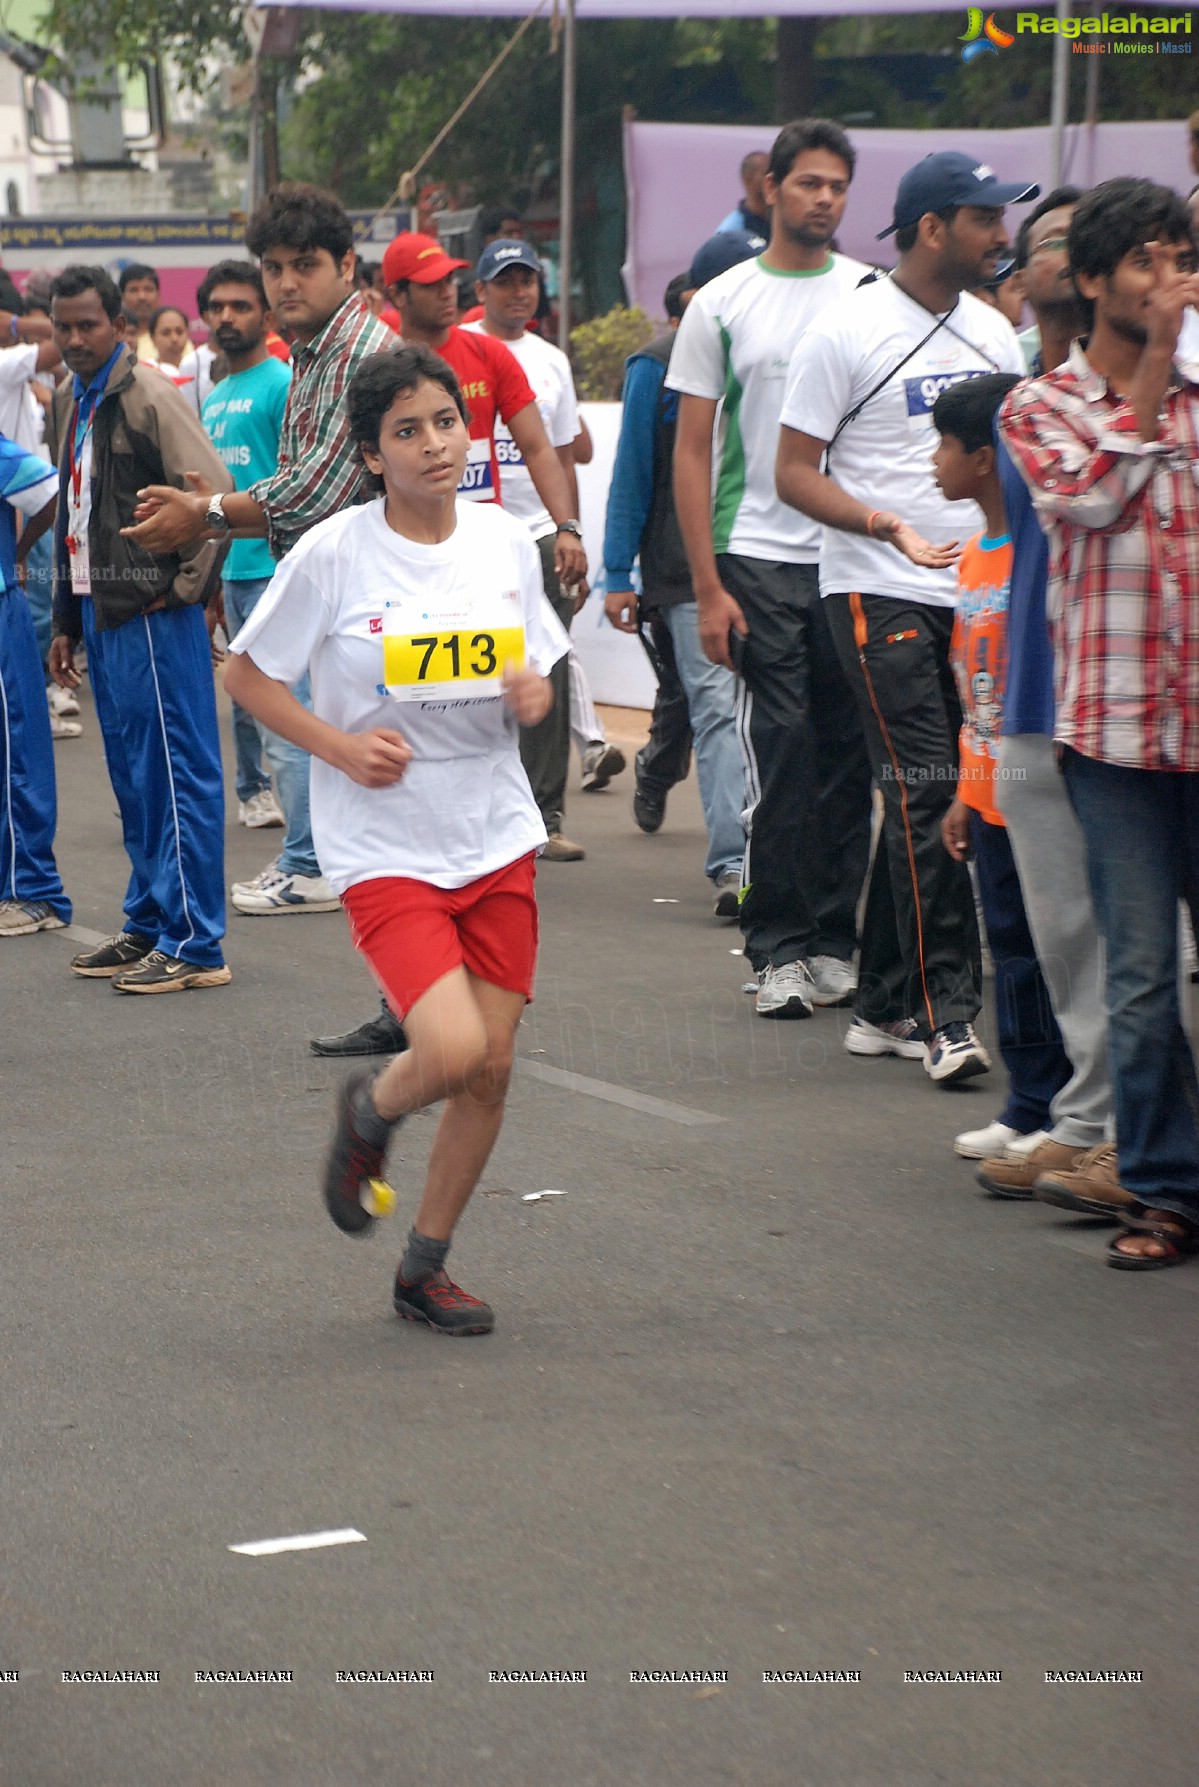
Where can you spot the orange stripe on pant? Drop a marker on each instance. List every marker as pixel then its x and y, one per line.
pixel 860 635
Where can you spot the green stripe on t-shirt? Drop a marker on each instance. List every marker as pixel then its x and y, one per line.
pixel 730 479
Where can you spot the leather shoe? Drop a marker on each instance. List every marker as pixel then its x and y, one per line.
pixel 648 812
pixel 383 1035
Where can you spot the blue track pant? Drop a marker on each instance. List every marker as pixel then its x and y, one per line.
pixel 28 803
pixel 152 684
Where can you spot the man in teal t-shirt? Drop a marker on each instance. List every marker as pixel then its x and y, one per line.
pixel 243 415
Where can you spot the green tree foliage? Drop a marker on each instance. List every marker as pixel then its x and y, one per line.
pixel 600 348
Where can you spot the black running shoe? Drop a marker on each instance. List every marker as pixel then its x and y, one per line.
pixel 648 810
pixel 355 1189
pixel 121 951
pixel 383 1035
pixel 443 1304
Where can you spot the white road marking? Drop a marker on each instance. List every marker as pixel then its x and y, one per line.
pixel 342 1535
pixel 632 1101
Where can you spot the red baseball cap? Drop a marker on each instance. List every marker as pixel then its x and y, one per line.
pixel 419 258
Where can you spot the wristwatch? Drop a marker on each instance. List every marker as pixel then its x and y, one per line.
pixel 570 527
pixel 215 516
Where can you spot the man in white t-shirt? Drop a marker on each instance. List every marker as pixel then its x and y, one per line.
pixel 753 568
pixel 509 287
pixel 860 389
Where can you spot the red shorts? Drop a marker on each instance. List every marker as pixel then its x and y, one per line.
pixel 412 933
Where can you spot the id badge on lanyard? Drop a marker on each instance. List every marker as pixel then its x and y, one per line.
pixel 441 648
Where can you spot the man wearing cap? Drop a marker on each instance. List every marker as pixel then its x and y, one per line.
pixel 861 387
pixel 753 569
pixel 419 278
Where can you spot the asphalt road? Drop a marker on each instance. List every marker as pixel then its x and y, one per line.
pixel 773 1387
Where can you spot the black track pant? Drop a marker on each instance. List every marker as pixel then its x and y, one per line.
pixel 545 748
pixel 665 757
pixel 806 768
pixel 920 949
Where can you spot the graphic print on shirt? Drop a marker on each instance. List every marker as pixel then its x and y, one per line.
pixel 979 654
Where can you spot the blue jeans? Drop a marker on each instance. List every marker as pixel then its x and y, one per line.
pixel 288 761
pixel 1142 836
pixel 711 691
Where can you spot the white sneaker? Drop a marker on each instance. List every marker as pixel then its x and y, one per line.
pixel 898 1038
pixel 784 992
pixel 62 701
pixel 955 1053
pixel 835 982
pixel 601 763
pixel 60 728
pixel 274 892
pixel 1024 1145
pixel 260 810
pixel 991 1143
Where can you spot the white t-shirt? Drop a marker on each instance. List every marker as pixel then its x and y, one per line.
pixel 548 372
pixel 463 807
pixel 734 343
pixel 20 412
pixel 884 458
pixel 79 516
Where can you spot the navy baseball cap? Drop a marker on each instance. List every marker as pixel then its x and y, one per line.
pixel 728 248
pixel 946 179
pixel 506 252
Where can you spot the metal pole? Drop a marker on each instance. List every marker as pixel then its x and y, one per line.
pixel 566 178
pixel 1060 101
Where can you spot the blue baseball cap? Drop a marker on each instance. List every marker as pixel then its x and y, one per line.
pixel 506 252
pixel 728 248
pixel 946 179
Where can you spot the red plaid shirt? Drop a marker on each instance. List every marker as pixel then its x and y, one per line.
pixel 1122 516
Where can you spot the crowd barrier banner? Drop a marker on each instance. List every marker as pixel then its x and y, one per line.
pixel 617 667
pixel 682 179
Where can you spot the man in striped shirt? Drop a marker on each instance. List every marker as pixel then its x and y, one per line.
pixel 304 242
pixel 1108 445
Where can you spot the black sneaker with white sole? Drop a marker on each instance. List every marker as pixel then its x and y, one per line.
pixel 443 1304
pixel 121 951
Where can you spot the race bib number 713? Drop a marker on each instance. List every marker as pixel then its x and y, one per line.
pixel 435 652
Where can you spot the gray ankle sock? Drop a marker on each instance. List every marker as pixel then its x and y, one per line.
pixel 422 1257
pixel 367 1121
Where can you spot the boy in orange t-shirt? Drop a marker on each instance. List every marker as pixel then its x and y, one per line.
pixel 1029 1039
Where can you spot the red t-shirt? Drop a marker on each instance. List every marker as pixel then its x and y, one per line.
pixel 493 384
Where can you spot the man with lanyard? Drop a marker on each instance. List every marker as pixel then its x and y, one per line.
pixel 31 891
pixel 244 416
pixel 753 568
pixel 861 388
pixel 304 243
pixel 420 280
pixel 123 426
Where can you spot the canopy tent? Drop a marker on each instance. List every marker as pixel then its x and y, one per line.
pixel 569 10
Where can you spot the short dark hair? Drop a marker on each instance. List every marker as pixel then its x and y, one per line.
pixel 138 270
pixel 1053 201
pixel 300 216
pixel 72 282
pixel 492 216
pixel 1116 217
pixel 672 297
pixel 809 133
pixel 968 409
pixel 380 379
pixel 905 236
pixel 747 161
pixel 364 269
pixel 229 273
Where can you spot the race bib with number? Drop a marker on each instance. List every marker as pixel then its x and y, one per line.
pixel 478 480
pixel 506 450
pixel 436 651
pixel 922 393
